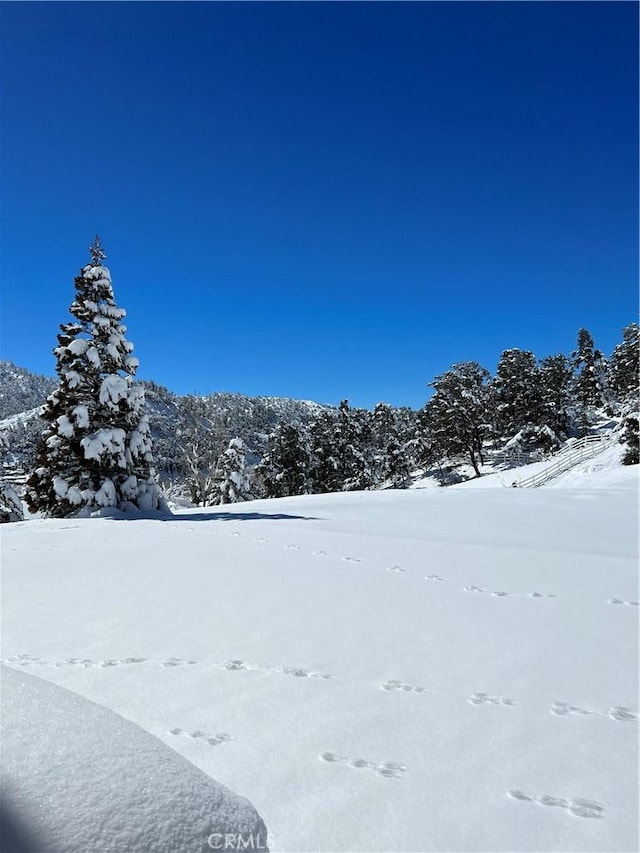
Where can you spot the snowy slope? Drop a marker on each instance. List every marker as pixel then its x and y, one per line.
pixel 430 670
pixel 607 465
pixel 84 760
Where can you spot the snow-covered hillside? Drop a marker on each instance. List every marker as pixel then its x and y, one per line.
pixel 428 670
pixel 22 393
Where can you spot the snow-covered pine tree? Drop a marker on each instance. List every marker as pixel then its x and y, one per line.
pixel 325 475
pixel 425 450
pixel 353 448
pixel 285 466
pixel 459 413
pixel 392 458
pixel 234 483
pixel 624 365
pixel 517 392
pixel 96 449
pixel 590 381
pixel 554 374
pixel 631 439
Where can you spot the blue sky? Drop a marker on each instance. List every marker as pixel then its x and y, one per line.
pixel 321 200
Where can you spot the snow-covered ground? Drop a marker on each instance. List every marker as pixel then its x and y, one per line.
pixel 428 670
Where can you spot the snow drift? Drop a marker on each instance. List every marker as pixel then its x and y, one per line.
pixel 83 778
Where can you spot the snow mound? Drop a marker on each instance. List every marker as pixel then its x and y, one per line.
pixel 83 778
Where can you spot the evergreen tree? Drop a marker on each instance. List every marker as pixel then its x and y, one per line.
pixel 554 374
pixel 590 382
pixel 285 467
pixel 631 438
pixel 96 449
pixel 234 478
pixel 424 446
pixel 353 448
pixel 392 460
pixel 459 412
pixel 624 365
pixel 517 391
pixel 325 475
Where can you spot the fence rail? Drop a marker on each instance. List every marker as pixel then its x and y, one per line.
pixel 583 448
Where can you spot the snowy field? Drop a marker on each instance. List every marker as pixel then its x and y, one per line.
pixel 428 670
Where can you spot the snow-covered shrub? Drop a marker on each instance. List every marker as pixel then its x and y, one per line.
pixel 533 438
pixel 10 504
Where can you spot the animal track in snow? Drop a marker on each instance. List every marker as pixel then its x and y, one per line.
pixel 433 578
pixel 351 560
pixel 620 601
pixel 617 713
pixel 503 594
pixel 292 547
pixel 293 671
pixel 86 663
pixel 24 660
pixel 389 769
pixel 483 699
pixel 235 665
pixel 396 569
pixel 319 553
pixel 577 806
pixel 212 740
pixel 260 539
pixel 406 688
pixel 178 662
pixel 296 672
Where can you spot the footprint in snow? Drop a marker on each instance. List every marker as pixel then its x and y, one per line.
pixel 433 578
pixel 292 671
pixel 178 662
pixel 620 601
pixel 502 594
pixel 24 660
pixel 617 713
pixel 212 740
pixel 235 666
pixel 484 699
pixel 296 672
pixel 260 539
pixel 292 547
pixel 393 684
pixel 576 806
pixel 389 769
pixel 319 553
pixel 351 560
pixel 86 663
pixel 396 569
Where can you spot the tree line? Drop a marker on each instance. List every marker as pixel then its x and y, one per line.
pixel 528 404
